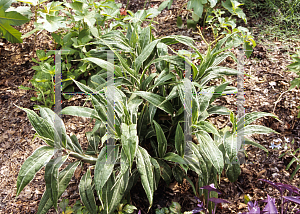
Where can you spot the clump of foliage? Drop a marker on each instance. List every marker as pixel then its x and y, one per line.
pixel 148 133
pixel 211 14
pixel 89 21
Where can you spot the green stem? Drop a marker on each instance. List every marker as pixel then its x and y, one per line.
pixel 127 5
pixel 84 158
pixel 146 1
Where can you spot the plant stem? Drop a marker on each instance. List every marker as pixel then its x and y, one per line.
pixel 146 1
pixel 84 158
pixel 127 5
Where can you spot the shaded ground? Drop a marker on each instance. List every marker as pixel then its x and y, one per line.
pixel 266 67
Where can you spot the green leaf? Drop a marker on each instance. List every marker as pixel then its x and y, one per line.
pixel 211 151
pixel 74 145
pixel 104 168
pixel 81 112
pixel 295 171
pixel 147 51
pixel 170 156
pixel 86 193
pixel 163 5
pixel 161 140
pixel 179 140
pixel 32 165
pixel 230 144
pixel 156 100
pixel 41 126
pixel 249 142
pixel 11 18
pixel 251 117
pixel 51 178
pixel 118 191
pixel 197 6
pixel 156 172
pixel 256 129
pixel 233 170
pixel 145 169
pixel 207 126
pixel 129 141
pixel 106 65
pixel 64 178
pixel 178 173
pixel 165 171
pixel 179 22
pixel 213 3
pixel 94 141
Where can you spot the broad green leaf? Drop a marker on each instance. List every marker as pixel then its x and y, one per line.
pixel 156 171
pixel 233 170
pixel 163 5
pixel 193 161
pixel 81 112
pixel 218 91
pixel 32 165
pixel 94 141
pixel 103 169
pixel 145 169
pixel 207 126
pixel 203 98
pixel 129 141
pixel 256 129
pixel 106 65
pixel 205 176
pixel 156 100
pixel 51 178
pixel 145 54
pixel 118 192
pixel 213 3
pixel 178 173
pixel 230 144
pixel 179 140
pixel 222 110
pixel 197 6
pixel 165 171
pixel 5 4
pixel 161 140
pixel 74 145
pixel 41 126
pixel 105 195
pixel 170 156
pixel 211 151
pixel 64 178
pixel 86 193
pixel 144 37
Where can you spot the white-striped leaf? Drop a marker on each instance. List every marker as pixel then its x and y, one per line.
pixel 32 165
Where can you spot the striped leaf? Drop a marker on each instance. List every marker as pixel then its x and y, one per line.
pixel 161 139
pixel 144 167
pixel 32 165
pixel 51 178
pixel 86 193
pixel 64 178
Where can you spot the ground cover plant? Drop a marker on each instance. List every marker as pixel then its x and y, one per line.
pixel 147 146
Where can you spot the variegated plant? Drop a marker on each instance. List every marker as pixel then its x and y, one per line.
pixel 148 125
